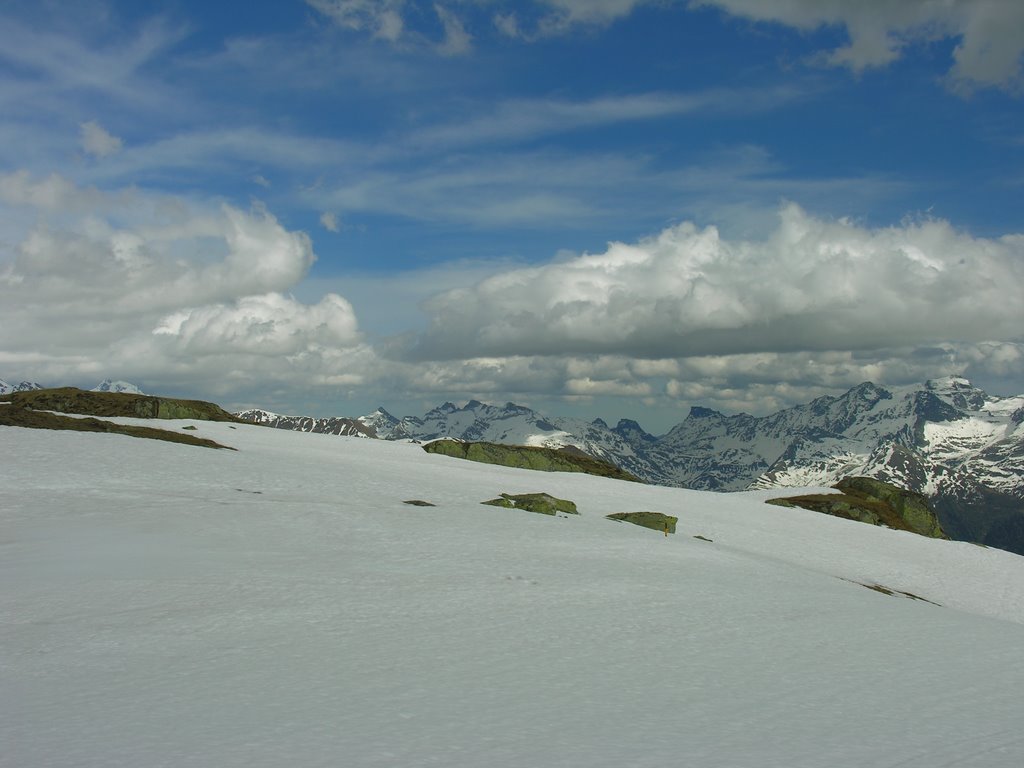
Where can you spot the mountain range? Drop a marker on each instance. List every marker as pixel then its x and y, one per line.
pixel 945 438
pixel 307 600
pixel 104 386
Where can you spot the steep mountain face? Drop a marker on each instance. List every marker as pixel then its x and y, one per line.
pixel 330 426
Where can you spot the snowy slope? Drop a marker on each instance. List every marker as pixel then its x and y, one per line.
pixel 279 605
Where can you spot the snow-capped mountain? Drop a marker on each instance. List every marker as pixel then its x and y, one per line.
pixel 330 426
pixel 945 438
pixel 24 386
pixel 117 386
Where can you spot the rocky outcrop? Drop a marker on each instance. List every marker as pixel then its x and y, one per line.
pixel 14 416
pixel 541 503
pixel 871 501
pixel 529 457
pixel 106 404
pixel 654 520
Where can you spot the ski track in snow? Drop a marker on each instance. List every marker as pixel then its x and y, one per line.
pixel 169 605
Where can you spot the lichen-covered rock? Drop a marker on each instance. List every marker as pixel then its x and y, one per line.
pixel 73 400
pixel 13 416
pixel 528 457
pixel 653 520
pixel 867 500
pixel 541 503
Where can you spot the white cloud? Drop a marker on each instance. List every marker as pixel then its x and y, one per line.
pixel 53 193
pixel 567 14
pixel 519 119
pixel 457 41
pixel 329 221
pixel 97 142
pixel 267 325
pixel 507 24
pixel 812 285
pixel 383 18
pixel 163 289
pixel 990 32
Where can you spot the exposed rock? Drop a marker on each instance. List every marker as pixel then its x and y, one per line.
pixel 529 457
pixel 542 503
pixel 654 520
pixel 419 503
pixel 13 416
pixel 871 501
pixel 73 400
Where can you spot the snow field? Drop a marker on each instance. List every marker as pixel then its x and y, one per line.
pixel 172 605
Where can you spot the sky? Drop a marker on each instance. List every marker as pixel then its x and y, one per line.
pixel 614 208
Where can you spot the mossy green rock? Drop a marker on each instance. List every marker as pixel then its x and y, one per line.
pixel 653 520
pixel 541 503
pixel 529 457
pixel 72 400
pixel 867 500
pixel 12 416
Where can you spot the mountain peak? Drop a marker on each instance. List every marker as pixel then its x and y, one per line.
pixel 700 412
pixel 25 386
pixel 123 387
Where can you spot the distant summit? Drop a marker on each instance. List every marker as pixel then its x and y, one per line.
pixel 123 387
pixel 25 386
pixel 946 439
pixel 107 385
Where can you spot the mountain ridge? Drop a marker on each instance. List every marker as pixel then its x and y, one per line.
pixel 945 438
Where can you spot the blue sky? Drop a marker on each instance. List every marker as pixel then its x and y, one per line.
pixel 614 208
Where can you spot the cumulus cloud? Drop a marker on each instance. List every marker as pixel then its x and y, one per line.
pixel 267 325
pixel 97 142
pixel 162 288
pixel 990 35
pixel 814 284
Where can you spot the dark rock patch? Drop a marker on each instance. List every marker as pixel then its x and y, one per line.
pixel 541 503
pixel 11 416
pixel 867 500
pixel 529 457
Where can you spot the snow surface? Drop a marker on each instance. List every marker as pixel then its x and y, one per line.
pixel 169 605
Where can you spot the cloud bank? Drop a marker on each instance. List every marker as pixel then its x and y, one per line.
pixel 194 297
pixel 990 32
pixel 812 285
pixel 157 286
